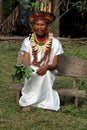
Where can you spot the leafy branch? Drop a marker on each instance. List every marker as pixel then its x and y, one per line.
pixel 31 5
pixel 21 72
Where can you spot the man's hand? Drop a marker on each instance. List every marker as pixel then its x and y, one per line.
pixel 42 70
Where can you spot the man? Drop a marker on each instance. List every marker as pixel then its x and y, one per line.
pixel 41 52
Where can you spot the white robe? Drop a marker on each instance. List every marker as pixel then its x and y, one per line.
pixel 37 90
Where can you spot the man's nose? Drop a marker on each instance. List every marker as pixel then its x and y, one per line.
pixel 39 26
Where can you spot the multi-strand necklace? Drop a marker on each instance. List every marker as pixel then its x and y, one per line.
pixel 41 40
pixel 40 45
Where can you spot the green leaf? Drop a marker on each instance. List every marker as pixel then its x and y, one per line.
pixel 21 72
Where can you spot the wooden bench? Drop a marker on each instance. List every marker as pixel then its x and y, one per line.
pixel 70 67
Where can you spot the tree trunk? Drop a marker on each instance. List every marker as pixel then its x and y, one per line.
pixel 1 11
pixel 55 28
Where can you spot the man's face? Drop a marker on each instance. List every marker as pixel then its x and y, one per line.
pixel 40 27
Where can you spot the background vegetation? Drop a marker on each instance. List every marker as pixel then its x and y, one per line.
pixel 71 17
pixel 9 5
pixel 11 116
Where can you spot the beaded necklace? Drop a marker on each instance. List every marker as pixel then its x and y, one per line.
pixel 46 48
pixel 40 39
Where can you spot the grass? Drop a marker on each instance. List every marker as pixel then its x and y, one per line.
pixel 11 116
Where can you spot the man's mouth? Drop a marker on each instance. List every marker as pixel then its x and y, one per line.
pixel 40 31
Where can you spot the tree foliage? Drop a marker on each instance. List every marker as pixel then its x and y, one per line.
pixel 60 8
pixel 8 6
pixel 79 7
pixel 65 5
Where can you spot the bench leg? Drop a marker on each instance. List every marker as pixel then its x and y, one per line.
pixel 75 87
pixel 76 101
pixel 18 94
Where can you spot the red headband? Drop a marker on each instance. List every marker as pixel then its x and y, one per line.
pixel 49 17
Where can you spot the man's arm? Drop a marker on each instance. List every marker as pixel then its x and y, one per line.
pixel 26 58
pixel 54 65
pixel 42 70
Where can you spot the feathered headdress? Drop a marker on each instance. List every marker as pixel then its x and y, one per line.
pixel 41 10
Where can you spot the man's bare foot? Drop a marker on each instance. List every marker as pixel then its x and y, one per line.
pixel 27 108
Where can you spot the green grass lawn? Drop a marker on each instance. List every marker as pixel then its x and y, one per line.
pixel 11 116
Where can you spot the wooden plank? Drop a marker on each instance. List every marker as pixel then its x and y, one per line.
pixel 3 38
pixel 71 92
pixel 16 86
pixel 71 66
pixel 61 91
pixel 15 38
pixel 67 66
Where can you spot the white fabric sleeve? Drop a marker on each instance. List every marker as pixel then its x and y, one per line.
pixel 57 47
pixel 25 45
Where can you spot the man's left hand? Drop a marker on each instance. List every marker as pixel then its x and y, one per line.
pixel 42 70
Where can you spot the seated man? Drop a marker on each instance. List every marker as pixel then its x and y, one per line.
pixel 41 52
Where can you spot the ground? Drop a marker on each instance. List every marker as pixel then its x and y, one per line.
pixel 67 118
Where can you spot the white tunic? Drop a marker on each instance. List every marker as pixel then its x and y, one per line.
pixel 37 90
